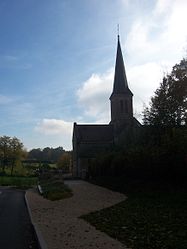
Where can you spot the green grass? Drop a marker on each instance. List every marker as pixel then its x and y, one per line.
pixel 54 189
pixel 19 182
pixel 151 218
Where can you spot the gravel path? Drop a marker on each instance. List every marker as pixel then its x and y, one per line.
pixel 59 222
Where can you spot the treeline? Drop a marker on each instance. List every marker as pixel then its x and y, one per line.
pixel 15 159
pixel 159 149
pixel 46 154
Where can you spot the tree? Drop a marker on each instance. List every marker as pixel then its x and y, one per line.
pixel 47 154
pixel 11 151
pixel 168 106
pixel 4 151
pixel 35 154
pixel 64 162
pixel 16 151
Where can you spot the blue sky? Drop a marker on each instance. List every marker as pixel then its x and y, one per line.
pixel 57 61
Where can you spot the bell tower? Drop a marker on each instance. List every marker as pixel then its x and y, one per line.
pixel 121 97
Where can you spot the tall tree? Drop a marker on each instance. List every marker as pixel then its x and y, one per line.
pixel 16 151
pixel 10 151
pixel 64 162
pixel 4 151
pixel 168 107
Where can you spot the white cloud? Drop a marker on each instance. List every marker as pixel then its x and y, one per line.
pixel 54 127
pixel 143 81
pixel 162 6
pixel 160 35
pixel 176 25
pixel 60 133
pixel 93 96
pixel 125 2
pixel 138 43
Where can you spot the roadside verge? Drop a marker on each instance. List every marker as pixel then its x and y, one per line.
pixel 41 242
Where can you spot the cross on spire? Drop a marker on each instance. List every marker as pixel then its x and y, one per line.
pixel 118 30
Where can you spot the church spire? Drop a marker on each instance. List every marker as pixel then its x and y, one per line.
pixel 121 97
pixel 120 85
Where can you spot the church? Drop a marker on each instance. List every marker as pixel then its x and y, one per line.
pixel 92 139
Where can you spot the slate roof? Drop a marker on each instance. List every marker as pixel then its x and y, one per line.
pixel 93 133
pixel 120 80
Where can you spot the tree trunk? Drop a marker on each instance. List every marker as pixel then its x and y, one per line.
pixel 12 167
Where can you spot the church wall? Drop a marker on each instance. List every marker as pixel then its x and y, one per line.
pixel 84 153
pixel 88 150
pixel 75 168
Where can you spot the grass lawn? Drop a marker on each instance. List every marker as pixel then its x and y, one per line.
pixel 151 218
pixel 19 182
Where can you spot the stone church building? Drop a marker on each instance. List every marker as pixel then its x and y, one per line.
pixel 91 139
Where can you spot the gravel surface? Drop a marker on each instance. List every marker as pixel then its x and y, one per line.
pixel 59 221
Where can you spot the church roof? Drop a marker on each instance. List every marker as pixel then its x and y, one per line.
pixel 120 85
pixel 93 133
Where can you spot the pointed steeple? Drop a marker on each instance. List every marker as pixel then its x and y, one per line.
pixel 120 85
pixel 121 97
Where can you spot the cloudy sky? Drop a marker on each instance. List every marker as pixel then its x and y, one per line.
pixel 57 61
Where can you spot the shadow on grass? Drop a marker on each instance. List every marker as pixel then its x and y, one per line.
pixel 153 217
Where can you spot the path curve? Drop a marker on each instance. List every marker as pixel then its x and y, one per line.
pixel 59 222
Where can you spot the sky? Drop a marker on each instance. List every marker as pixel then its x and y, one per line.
pixel 57 61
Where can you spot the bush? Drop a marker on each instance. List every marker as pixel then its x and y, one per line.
pixel 53 187
pixel 158 154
